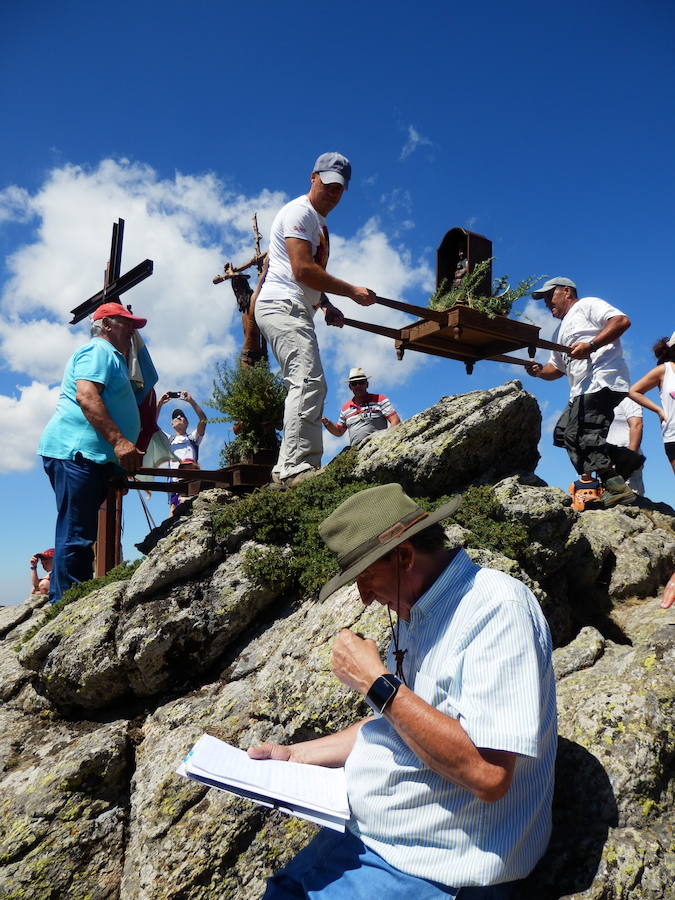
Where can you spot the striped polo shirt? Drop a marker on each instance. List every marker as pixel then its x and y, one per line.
pixel 362 421
pixel 479 650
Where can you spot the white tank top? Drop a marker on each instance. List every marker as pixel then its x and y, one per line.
pixel 668 402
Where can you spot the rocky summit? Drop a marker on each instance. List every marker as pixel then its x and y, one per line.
pixel 219 629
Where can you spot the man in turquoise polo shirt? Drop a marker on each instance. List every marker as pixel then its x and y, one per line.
pixel 91 434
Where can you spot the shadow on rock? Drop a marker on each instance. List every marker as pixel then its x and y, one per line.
pixel 584 809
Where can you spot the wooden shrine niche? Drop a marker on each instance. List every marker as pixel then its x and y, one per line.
pixel 458 254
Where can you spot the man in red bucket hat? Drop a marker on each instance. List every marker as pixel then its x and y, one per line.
pixel 91 435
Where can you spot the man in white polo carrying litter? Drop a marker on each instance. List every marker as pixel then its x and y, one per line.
pixel 294 280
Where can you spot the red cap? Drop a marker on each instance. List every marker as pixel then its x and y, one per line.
pixel 116 309
pixel 47 554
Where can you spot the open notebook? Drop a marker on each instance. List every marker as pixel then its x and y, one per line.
pixel 316 793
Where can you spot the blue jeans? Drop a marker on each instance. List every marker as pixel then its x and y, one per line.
pixel 80 487
pixel 340 867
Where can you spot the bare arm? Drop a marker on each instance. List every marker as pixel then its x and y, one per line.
pixel 439 741
pixel 88 397
pixel 613 330
pixel 35 581
pixel 634 433
pixel 335 429
pixel 394 419
pixel 307 271
pixel 646 383
pixel 201 425
pixel 331 750
pixel 547 372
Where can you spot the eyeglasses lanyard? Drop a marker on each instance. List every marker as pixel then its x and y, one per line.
pixel 398 654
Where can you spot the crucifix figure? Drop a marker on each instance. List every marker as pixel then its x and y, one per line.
pixel 108 542
pixel 255 347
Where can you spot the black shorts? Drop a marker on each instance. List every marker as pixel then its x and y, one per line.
pixel 670 450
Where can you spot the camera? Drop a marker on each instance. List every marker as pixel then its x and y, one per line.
pixel 175 394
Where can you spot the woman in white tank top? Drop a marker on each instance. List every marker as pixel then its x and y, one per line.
pixel 663 377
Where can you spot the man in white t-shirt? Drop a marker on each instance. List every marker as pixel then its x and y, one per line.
pixel 599 381
pixel 293 283
pixel 626 431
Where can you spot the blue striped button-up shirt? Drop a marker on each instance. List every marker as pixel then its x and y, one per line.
pixel 479 650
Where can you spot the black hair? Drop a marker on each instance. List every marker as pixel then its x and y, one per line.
pixel 663 352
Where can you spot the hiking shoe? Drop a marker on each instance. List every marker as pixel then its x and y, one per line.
pixel 294 480
pixel 615 492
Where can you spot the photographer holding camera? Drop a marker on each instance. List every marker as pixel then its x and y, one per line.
pixel 183 443
pixel 41 585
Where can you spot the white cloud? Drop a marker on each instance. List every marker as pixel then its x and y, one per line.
pixel 39 347
pixel 190 225
pixel 23 419
pixel 415 140
pixel 15 205
pixel 369 259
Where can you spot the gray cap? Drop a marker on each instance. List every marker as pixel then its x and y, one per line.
pixel 552 283
pixel 333 168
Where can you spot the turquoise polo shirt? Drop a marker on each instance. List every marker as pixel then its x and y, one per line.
pixel 68 432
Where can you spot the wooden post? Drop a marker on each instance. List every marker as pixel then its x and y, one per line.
pixel 109 539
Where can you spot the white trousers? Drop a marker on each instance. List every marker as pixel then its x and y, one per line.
pixel 288 329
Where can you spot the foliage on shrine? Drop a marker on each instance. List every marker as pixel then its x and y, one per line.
pixel 251 398
pixel 296 558
pixel 467 292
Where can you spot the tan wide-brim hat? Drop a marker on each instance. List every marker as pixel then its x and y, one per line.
pixel 370 524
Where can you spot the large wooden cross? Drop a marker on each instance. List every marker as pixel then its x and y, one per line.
pixel 114 284
pixel 108 541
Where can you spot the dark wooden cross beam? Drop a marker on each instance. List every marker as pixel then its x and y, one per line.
pixel 114 284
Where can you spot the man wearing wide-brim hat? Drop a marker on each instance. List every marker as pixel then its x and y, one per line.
pixel 364 414
pixel 450 783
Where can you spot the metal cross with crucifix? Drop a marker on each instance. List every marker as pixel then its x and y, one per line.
pixel 108 541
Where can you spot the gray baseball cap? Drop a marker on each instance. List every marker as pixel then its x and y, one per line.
pixel 552 283
pixel 333 168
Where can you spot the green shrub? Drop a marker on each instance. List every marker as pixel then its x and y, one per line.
pixel 252 398
pixel 290 519
pixel 482 514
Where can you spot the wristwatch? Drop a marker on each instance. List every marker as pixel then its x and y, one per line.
pixel 382 691
pixel 593 346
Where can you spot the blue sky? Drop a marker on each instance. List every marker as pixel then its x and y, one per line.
pixel 548 128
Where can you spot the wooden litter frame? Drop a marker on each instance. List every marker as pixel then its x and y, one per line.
pixel 460 333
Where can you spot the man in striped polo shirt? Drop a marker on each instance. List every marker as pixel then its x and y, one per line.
pixel 364 414
pixel 450 784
